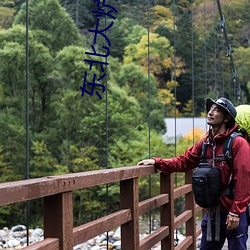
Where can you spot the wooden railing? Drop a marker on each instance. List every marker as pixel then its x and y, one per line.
pixel 59 232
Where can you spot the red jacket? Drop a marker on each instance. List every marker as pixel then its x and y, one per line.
pixel 241 167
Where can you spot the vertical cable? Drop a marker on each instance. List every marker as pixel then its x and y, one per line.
pixel 149 122
pixel 175 95
pixel 222 70
pixel 174 76
pixel 107 126
pixel 236 87
pixel 27 112
pixel 229 84
pixel 192 28
pixel 215 52
pixel 205 51
pixel 77 13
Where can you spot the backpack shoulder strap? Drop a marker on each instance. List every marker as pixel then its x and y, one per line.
pixel 227 148
pixel 203 152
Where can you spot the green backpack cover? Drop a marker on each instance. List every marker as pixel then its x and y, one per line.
pixel 243 119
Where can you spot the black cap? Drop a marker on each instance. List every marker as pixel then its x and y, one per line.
pixel 223 103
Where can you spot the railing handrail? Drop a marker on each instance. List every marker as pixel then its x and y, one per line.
pixel 50 185
pixel 58 208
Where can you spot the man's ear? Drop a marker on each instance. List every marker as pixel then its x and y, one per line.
pixel 228 118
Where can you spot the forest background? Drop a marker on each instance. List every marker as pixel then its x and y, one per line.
pixel 156 70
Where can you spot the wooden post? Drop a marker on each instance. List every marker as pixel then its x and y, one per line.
pixel 167 210
pixel 58 219
pixel 190 205
pixel 129 197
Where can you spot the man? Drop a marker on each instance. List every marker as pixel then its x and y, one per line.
pixel 221 115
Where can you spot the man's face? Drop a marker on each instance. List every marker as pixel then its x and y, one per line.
pixel 215 116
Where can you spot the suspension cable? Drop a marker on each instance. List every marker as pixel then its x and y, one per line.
pixel 27 207
pixel 192 76
pixel 149 120
pixel 229 53
pixel 107 126
pixel 175 95
pixel 174 75
pixel 215 52
pixel 205 51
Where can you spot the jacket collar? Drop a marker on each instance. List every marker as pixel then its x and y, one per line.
pixel 221 136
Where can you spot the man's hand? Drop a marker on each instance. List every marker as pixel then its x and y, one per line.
pixel 232 221
pixel 146 162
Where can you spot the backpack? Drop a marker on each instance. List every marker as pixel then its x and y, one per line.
pixel 206 179
pixel 206 185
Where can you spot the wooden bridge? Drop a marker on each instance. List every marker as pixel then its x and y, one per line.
pixel 56 192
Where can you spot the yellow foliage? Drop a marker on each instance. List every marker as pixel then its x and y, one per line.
pixel 6 17
pixel 172 84
pixel 161 55
pixel 188 108
pixel 203 114
pixel 166 96
pixel 161 16
pixel 195 134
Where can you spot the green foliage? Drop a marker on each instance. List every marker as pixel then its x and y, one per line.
pixel 42 162
pixel 81 12
pixel 53 25
pixel 132 78
pixel 242 63
pixel 12 149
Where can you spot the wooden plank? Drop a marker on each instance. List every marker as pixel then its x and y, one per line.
pixel 190 205
pixel 46 244
pixel 198 209
pixel 24 190
pixel 152 203
pixel 129 196
pixel 98 177
pixel 182 218
pixel 198 231
pixel 178 192
pixel 90 230
pixel 58 219
pixel 185 244
pixel 167 210
pixel 154 238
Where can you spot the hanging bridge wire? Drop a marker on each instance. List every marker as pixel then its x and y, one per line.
pixel 149 120
pixel 27 206
pixel 237 87
pixel 221 65
pixel 192 73
pixel 77 13
pixel 215 52
pixel 175 95
pixel 205 49
pixel 222 68
pixel 174 79
pixel 107 126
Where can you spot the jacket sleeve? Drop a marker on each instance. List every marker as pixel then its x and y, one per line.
pixel 241 175
pixel 183 163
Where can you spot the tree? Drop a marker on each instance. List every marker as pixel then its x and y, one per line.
pixel 132 78
pixel 12 125
pixel 53 25
pixel 161 16
pixel 242 65
pixel 6 17
pixel 81 12
pixel 160 54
